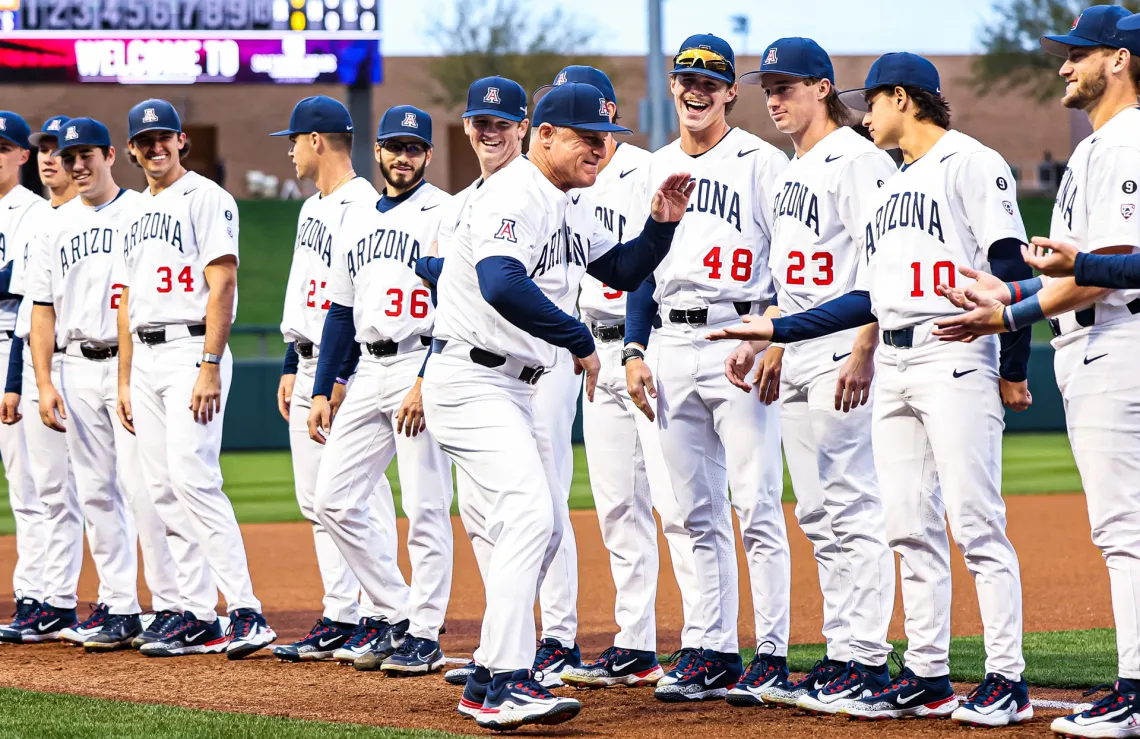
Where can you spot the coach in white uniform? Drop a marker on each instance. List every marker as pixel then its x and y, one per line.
pixel 937 419
pixel 521 247
pixel 378 302
pixel 180 272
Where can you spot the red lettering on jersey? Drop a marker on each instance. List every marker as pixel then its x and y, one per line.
pixel 507 231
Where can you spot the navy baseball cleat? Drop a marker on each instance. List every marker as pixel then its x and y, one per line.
pixel 383 646
pixel 366 633
pixel 551 658
pixel 189 636
pixel 248 633
pixel 998 701
pixel 44 624
pixel 474 692
pixel 415 656
pixel 1115 715
pixel 78 634
pixel 616 666
pixel 516 699
pixel 163 622
pixel 706 677
pixel 321 642
pixel 117 632
pixel 679 663
pixel 824 671
pixel 458 676
pixel 856 681
pixel 25 607
pixel 906 695
pixel 766 672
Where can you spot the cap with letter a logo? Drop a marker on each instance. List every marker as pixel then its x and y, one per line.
pixel 576 105
pixel 153 115
pixel 794 57
pixel 492 95
pixel 405 121
pixel 50 130
pixel 14 129
pixel 898 69
pixel 1106 26
pixel 582 73
pixel 83 132
pixel 496 96
pixel 318 114
pixel 771 57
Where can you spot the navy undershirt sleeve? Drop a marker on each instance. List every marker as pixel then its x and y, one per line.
pixel 1120 271
pixel 1007 264
pixel 289 366
pixel 626 265
pixel 351 362
pixel 429 269
pixel 640 308
pixel 337 338
pixel 850 310
pixel 6 282
pixel 14 383
pixel 504 284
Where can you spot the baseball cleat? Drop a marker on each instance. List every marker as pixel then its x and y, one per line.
pixel 708 676
pixel 474 692
pixel 551 658
pixel 321 642
pixel 516 699
pixel 824 671
pixel 616 666
pixel 117 632
pixel 765 673
pixel 45 624
pixel 998 701
pixel 458 676
pixel 248 633
pixel 415 656
pixel 1116 715
pixel 365 633
pixel 383 646
pixel 678 662
pixel 189 636
pixel 88 627
pixel 906 695
pixel 25 607
pixel 162 623
pixel 854 682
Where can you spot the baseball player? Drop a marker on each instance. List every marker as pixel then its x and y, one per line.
pixel 713 435
pixel 817 249
pixel 937 416
pixel 75 308
pixel 378 302
pixel 1096 329
pixel 179 272
pixel 320 130
pixel 627 471
pixel 521 247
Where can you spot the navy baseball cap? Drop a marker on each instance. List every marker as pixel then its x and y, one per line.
pixel 318 114
pixel 1097 26
pixel 576 105
pixel 405 120
pixel 497 96
pixel 152 115
pixel 50 129
pixel 901 69
pixel 706 42
pixel 15 129
pixel 582 73
pixel 82 132
pixel 795 57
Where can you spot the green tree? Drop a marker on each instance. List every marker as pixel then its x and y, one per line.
pixel 507 38
pixel 1013 56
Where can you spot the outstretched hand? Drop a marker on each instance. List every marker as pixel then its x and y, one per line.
pixel 1052 258
pixel 753 328
pixel 672 198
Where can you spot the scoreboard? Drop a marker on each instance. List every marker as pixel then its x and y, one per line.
pixel 190 41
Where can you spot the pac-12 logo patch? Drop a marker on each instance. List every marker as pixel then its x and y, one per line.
pixel 410 121
pixel 507 231
pixel 149 116
pixel 771 57
pixel 1008 206
pixel 492 95
pixel 1127 210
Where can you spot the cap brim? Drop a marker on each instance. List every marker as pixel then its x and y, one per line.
pixel 403 135
pixel 855 99
pixel 600 128
pixel 754 78
pixel 1131 23
pixel 39 136
pixel 493 112
pixel 286 132
pixel 155 128
pixel 704 73
pixel 14 141
pixel 1060 45
pixel 534 95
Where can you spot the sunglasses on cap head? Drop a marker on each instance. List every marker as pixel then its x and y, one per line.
pixel 414 148
pixel 703 58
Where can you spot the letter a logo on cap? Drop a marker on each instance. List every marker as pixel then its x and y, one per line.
pixel 492 96
pixel 507 231
pixel 410 121
pixel 55 124
pixel 561 79
pixel 149 116
pixel 3 124
pixel 71 134
pixel 1075 22
pixel 771 58
pixel 602 107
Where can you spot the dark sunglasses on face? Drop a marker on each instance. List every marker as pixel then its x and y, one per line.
pixel 414 148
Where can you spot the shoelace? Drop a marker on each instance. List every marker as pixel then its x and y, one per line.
pixel 548 654
pixel 243 624
pixel 758 668
pixel 611 654
pixel 115 620
pixel 97 616
pixel 411 645
pixel 1114 699
pixel 682 661
pixel 31 615
pixel 319 628
pixel 531 687
pixel 989 691
pixel 163 622
pixel 821 671
pixel 366 632
pixel 854 674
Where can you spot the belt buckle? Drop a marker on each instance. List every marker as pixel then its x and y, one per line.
pixel 1055 327
pixel 150 337
pixel 538 373
pixel 694 314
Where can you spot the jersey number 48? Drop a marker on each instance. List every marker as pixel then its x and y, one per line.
pixel 741 269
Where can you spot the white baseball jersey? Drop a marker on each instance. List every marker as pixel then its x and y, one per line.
pixel 374 266
pixel 720 249
pixel 318 224
pixel 169 239
pixel 941 212
pixel 23 214
pixel 32 233
pixel 74 266
pixel 451 213
pixel 517 213
pixel 617 198
pixel 1096 205
pixel 818 218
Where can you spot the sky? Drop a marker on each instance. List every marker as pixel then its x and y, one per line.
pixel 840 26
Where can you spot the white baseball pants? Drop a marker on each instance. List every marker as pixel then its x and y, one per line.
pixel 937 435
pixel 27 509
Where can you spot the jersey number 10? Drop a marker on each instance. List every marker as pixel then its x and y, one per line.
pixel 943 275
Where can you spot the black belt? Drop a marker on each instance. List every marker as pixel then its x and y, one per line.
pixel 98 352
pixel 700 316
pixel 1087 317
pixel 389 348
pixel 484 358
pixel 902 338
pixel 151 336
pixel 304 349
pixel 10 334
pixel 608 333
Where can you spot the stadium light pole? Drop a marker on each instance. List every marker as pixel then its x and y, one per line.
pixel 655 80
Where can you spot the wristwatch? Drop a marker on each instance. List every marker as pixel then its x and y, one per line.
pixel 208 358
pixel 631 352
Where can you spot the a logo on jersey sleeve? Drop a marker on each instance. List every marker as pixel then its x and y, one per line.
pixel 506 231
pixel 1127 210
pixel 492 95
pixel 149 116
pixel 410 120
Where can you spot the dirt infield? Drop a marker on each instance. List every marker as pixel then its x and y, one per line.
pixel 1065 587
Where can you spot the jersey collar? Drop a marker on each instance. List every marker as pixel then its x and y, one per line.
pixel 387 203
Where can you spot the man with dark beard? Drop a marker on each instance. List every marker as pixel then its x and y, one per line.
pixel 377 300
